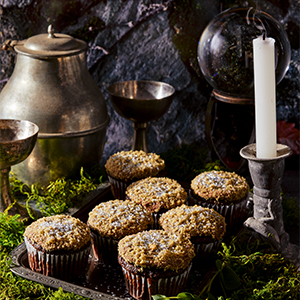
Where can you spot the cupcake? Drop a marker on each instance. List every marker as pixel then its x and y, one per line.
pixel 58 246
pixel 155 262
pixel 225 192
pixel 157 195
pixel 112 220
pixel 204 226
pixel 125 167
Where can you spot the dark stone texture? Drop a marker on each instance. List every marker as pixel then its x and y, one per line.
pixel 150 40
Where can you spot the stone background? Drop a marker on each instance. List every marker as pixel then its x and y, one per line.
pixel 150 40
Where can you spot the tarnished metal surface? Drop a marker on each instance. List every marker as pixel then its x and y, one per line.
pixel 141 101
pixel 17 139
pixel 52 87
pixel 267 219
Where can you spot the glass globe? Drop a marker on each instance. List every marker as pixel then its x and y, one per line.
pixel 225 51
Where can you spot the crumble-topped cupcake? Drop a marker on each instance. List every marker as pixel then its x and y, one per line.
pixel 225 192
pixel 157 195
pixel 204 226
pixel 126 167
pixel 110 221
pixel 155 262
pixel 58 246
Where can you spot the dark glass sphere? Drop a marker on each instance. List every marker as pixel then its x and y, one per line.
pixel 225 50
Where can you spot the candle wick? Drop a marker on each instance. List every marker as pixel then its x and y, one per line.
pixel 264 36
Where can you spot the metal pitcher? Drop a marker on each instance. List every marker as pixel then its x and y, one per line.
pixel 51 87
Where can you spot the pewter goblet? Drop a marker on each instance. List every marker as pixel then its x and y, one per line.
pixel 141 101
pixel 17 139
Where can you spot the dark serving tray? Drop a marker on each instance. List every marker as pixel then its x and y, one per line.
pixel 99 281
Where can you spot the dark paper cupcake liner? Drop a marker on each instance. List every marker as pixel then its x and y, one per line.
pixel 142 287
pixel 105 249
pixel 61 266
pixel 118 187
pixel 203 250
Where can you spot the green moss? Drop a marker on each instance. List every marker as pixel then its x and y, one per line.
pixel 263 275
pixel 58 196
pixel 11 232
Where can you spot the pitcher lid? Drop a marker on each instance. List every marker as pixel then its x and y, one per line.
pixel 50 45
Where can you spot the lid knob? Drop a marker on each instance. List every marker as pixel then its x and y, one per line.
pixel 51 31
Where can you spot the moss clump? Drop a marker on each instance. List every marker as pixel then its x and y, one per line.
pixel 263 275
pixel 58 196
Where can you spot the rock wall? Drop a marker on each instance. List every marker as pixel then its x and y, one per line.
pixel 149 40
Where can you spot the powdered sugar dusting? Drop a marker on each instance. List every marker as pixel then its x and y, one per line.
pixel 116 218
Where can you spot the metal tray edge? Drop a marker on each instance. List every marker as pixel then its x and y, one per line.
pixel 19 269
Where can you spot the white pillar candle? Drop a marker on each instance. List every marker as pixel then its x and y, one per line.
pixel 265 96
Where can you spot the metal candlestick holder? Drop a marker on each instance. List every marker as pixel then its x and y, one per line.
pixel 267 220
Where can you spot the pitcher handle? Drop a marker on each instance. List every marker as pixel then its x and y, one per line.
pixel 9 45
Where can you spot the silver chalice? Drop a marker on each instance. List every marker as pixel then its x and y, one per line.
pixel 17 140
pixel 141 101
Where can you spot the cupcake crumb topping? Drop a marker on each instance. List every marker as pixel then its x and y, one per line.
pixel 158 249
pixel 117 218
pixel 155 193
pixel 60 232
pixel 220 185
pixel 193 221
pixel 127 165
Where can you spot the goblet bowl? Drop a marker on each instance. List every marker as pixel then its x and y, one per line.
pixel 141 100
pixel 17 139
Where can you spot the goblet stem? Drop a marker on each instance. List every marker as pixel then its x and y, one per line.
pixel 5 196
pixel 139 137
